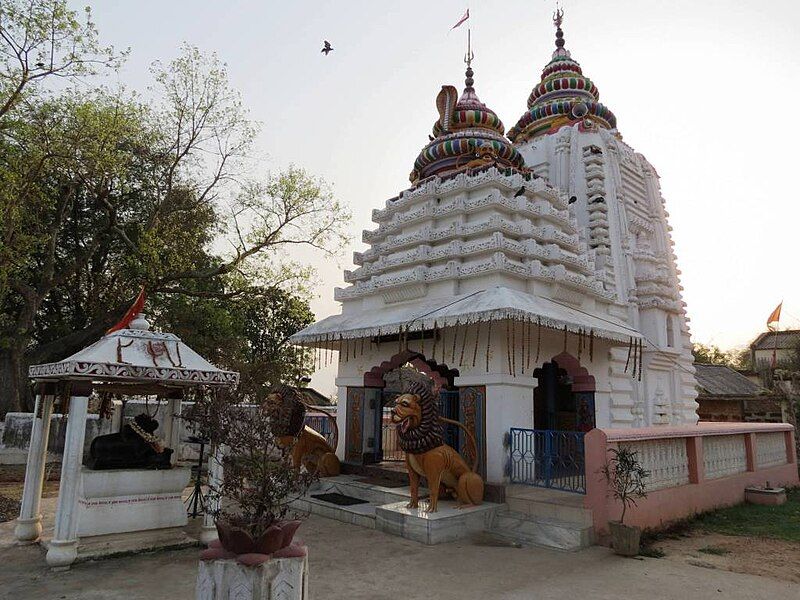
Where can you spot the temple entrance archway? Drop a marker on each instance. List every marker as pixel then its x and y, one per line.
pixel 384 382
pixel 563 400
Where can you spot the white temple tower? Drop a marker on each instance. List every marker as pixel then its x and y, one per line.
pixel 531 278
pixel 571 140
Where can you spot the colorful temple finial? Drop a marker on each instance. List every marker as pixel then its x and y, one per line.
pixel 558 18
pixel 563 97
pixel 467 135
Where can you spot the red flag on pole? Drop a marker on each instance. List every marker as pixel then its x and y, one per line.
pixel 461 20
pixel 134 310
pixel 774 317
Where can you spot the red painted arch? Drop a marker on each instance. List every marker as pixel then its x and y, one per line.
pixel 581 380
pixel 441 375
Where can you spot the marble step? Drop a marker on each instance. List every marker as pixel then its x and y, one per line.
pixel 350 485
pixel 549 504
pixel 362 515
pixel 542 531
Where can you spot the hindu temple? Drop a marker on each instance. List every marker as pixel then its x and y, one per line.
pixel 528 273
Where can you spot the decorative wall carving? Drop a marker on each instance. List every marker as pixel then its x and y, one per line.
pixel 770 449
pixel 666 460
pixel 472 405
pixel 724 455
pixel 353 434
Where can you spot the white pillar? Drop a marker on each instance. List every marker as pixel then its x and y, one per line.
pixel 29 523
pixel 63 549
pixel 209 531
pixel 172 427
pixel 116 416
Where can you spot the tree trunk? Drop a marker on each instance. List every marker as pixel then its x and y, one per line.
pixel 13 381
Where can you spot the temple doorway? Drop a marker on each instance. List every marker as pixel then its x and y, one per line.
pixel 563 400
pixel 387 381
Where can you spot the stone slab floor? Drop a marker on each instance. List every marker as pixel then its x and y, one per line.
pixel 354 563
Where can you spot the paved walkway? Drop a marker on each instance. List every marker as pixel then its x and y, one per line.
pixel 355 563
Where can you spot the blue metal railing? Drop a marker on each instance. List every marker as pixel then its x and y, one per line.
pixel 547 458
pixel 322 425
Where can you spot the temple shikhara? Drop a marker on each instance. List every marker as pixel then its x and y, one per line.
pixel 529 273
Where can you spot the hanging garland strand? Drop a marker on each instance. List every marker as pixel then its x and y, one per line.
pixel 464 343
pixel 508 345
pixel 488 344
pixel 455 339
pixel 565 338
pixel 477 338
pixel 514 346
pixel 580 342
pixel 528 344
pixel 641 349
pixel 435 340
pixel 630 350
pixel 591 345
pixel 400 339
pixel 539 339
pixel 422 338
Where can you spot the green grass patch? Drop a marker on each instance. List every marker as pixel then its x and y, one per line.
pixel 776 522
pixel 715 550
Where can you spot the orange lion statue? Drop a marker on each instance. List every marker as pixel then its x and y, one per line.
pixel 419 431
pixel 309 448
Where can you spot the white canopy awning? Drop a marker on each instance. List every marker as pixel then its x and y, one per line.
pixel 493 304
pixel 136 355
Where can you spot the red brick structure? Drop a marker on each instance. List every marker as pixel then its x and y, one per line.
pixel 728 396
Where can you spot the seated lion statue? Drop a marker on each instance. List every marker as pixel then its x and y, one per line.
pixel 419 431
pixel 309 448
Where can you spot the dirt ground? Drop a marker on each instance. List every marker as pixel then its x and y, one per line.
pixel 353 563
pixel 754 556
pixel 11 479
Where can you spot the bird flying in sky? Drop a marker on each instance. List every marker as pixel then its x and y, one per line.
pixel 326 48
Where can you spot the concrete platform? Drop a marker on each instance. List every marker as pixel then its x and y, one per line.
pixel 448 524
pixel 121 544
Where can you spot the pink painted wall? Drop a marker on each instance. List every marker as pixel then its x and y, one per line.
pixel 700 494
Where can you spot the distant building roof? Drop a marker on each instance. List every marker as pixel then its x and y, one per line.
pixel 786 340
pixel 313 397
pixel 721 380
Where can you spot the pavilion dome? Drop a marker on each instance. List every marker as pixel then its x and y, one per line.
pixel 564 96
pixel 468 134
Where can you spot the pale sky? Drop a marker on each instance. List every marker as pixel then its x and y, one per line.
pixel 706 90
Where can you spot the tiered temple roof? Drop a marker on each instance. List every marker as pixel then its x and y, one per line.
pixel 467 134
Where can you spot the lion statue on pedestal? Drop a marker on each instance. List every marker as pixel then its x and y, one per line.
pixel 309 448
pixel 419 431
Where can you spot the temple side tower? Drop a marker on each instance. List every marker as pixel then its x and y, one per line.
pixel 570 139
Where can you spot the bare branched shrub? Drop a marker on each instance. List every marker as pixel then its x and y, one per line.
pixel 258 482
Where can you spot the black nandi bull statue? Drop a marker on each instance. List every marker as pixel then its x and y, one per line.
pixel 135 447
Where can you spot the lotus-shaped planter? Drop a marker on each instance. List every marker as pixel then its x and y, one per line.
pixel 238 540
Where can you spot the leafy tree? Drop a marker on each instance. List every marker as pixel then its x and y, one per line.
pixel 43 39
pixel 102 192
pixel 737 358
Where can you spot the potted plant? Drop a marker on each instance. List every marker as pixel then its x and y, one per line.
pixel 251 503
pixel 626 479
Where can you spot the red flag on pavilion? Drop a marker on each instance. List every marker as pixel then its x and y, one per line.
pixel 461 20
pixel 134 310
pixel 774 317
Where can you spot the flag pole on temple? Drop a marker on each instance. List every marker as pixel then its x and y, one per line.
pixel 773 322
